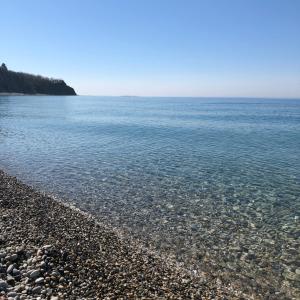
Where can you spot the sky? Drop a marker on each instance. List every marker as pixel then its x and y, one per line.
pixel 208 48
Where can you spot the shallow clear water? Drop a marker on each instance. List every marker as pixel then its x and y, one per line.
pixel 213 182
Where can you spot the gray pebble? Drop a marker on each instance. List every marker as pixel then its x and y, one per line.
pixel 10 268
pixel 3 285
pixel 12 294
pixel 35 274
pixel 14 257
pixel 39 280
pixel 16 272
pixel 37 290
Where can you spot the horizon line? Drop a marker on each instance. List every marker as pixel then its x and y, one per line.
pixel 211 97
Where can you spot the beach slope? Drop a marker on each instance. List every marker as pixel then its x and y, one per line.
pixel 51 250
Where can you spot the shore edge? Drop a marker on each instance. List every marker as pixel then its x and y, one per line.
pixel 77 257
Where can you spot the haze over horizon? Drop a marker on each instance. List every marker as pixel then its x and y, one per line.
pixel 158 48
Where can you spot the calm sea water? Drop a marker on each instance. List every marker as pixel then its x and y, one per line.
pixel 212 182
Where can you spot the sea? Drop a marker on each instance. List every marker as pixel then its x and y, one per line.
pixel 213 183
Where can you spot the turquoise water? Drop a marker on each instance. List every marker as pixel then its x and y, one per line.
pixel 212 182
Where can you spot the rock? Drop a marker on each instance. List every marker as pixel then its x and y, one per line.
pixel 35 274
pixel 287 274
pixel 2 268
pixel 37 290
pixel 19 288
pixel 49 291
pixel 12 294
pixel 47 247
pixel 44 292
pixel 39 280
pixel 194 227
pixel 10 268
pixel 14 257
pixel 3 285
pixel 15 272
pixel 10 280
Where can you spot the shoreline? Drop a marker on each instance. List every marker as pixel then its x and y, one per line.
pixel 22 94
pixel 77 257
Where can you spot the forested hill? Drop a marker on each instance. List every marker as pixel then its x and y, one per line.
pixel 23 83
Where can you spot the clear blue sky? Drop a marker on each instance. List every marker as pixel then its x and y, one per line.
pixel 157 47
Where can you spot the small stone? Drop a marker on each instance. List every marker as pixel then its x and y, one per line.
pixel 49 292
pixel 10 280
pixel 14 257
pixel 15 272
pixel 12 294
pixel 35 274
pixel 47 247
pixel 42 264
pixel 28 288
pixel 10 268
pixel 37 290
pixel 194 227
pixel 44 292
pixel 3 285
pixel 39 280
pixel 55 274
pixel 287 274
pixel 19 288
pixel 269 241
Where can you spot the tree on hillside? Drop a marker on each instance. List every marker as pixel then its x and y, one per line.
pixel 3 67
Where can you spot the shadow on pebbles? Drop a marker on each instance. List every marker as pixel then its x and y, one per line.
pixel 49 250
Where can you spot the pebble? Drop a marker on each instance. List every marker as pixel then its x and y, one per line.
pixel 14 257
pixel 15 272
pixel 10 268
pixel 10 280
pixel 3 285
pixel 39 280
pixel 35 274
pixel 37 290
pixel 12 294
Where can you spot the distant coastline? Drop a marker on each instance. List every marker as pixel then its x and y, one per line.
pixel 23 94
pixel 12 94
pixel 18 84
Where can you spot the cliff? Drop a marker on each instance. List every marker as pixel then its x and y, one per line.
pixel 23 83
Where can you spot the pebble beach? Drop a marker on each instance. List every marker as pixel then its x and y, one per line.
pixel 49 250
